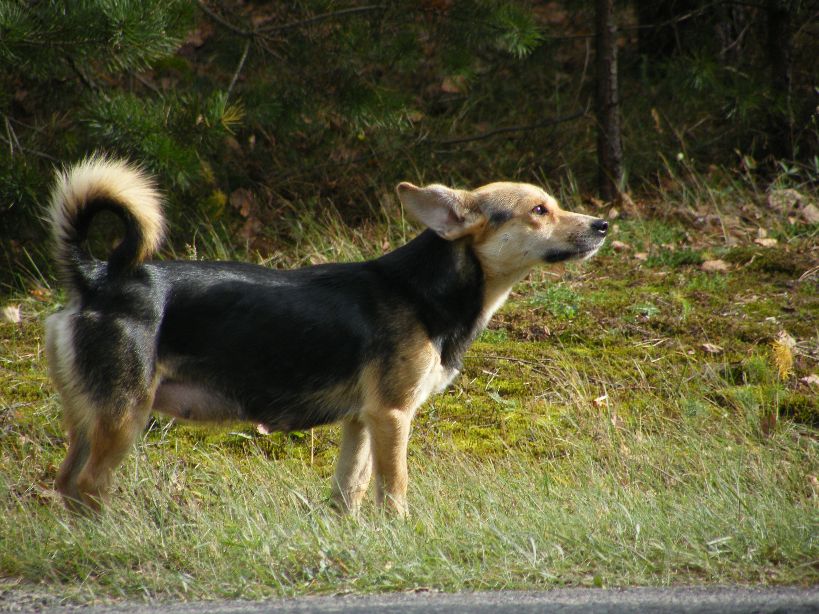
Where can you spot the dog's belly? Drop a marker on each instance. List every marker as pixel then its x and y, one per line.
pixel 191 401
pixel 189 390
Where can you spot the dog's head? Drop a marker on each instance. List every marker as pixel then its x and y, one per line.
pixel 513 226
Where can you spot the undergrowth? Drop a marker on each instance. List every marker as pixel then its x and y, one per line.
pixel 627 421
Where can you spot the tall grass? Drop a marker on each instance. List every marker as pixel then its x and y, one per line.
pixel 645 511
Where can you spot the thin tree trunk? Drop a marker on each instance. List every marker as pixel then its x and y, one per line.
pixel 609 144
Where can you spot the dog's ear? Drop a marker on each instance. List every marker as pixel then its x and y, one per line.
pixel 446 211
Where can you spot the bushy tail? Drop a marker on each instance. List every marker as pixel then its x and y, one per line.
pixel 102 184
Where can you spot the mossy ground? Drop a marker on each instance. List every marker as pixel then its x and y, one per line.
pixel 621 421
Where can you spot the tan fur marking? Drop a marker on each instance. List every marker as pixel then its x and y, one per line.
pixel 390 430
pixel 354 468
pixel 110 439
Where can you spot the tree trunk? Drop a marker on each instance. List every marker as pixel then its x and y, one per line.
pixel 609 144
pixel 779 56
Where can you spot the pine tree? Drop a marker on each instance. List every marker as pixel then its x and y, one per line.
pixel 217 98
pixel 58 61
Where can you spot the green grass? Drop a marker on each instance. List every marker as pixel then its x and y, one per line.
pixel 592 439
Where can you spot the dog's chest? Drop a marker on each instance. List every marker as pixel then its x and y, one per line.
pixel 436 379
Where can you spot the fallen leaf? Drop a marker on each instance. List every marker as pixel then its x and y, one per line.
pixel 656 117
pixel 250 229
pixel 619 246
pixel 714 266
pixel 11 313
pixel 415 116
pixel 233 144
pixel 628 204
pixel 766 242
pixel 200 35
pixel 784 200
pixel 712 348
pixel 810 380
pixel 41 294
pixel 242 200
pixel 456 84
pixel 810 213
pixel 785 339
pixel 613 214
pixel 641 256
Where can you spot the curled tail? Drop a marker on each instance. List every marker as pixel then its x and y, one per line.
pixel 102 184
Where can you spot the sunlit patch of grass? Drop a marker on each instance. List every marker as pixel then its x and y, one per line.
pixel 559 299
pixel 706 282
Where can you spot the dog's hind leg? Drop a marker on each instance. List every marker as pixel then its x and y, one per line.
pixel 76 405
pixel 79 447
pixel 110 437
pixel 354 467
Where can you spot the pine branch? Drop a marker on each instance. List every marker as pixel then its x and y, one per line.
pixel 509 129
pixel 386 151
pixel 217 18
pixel 12 141
pixel 323 17
pixel 239 67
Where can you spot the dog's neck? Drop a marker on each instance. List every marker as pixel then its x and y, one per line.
pixel 446 282
pixel 496 291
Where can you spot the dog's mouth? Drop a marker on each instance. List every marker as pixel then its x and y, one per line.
pixel 582 251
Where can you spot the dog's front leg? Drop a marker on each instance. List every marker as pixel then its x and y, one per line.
pixel 389 431
pixel 354 467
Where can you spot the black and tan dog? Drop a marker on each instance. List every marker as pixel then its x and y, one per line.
pixel 361 343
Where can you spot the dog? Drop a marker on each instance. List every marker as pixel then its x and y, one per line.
pixel 363 343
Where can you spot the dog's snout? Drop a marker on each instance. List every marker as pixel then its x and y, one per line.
pixel 600 226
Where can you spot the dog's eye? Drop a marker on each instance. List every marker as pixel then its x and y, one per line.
pixel 540 210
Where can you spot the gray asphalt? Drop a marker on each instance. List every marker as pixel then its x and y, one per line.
pixel 716 600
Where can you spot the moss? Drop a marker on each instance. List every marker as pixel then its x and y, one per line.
pixel 706 282
pixel 769 260
pixel 695 408
pixel 675 258
pixel 757 401
pixel 492 336
pixel 755 369
pixel 800 407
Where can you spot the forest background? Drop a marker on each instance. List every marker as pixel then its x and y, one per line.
pixel 255 113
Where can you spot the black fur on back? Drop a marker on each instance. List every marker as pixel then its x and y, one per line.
pixel 276 341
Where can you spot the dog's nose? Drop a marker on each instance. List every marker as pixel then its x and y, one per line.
pixel 601 226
